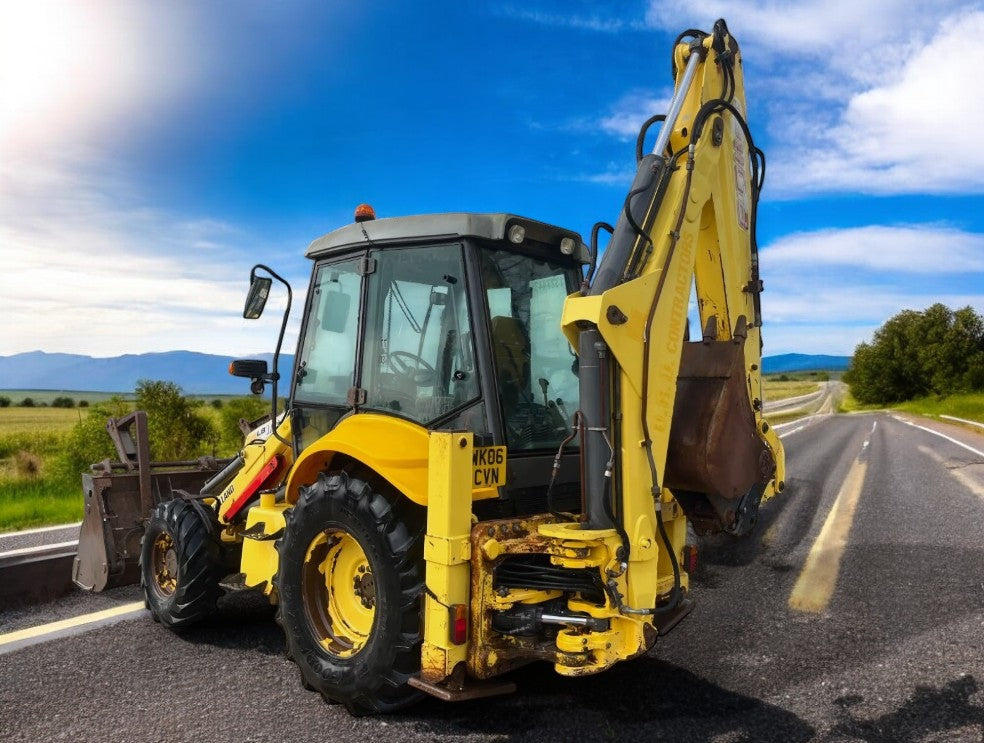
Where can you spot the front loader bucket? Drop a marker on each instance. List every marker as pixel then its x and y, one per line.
pixel 119 497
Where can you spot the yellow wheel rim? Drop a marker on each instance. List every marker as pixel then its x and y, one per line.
pixel 164 561
pixel 339 592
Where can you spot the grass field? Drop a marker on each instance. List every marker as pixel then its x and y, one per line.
pixel 775 390
pixel 37 486
pixel 32 420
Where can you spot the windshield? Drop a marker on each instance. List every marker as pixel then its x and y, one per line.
pixel 535 364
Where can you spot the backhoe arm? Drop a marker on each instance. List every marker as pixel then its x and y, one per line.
pixel 665 419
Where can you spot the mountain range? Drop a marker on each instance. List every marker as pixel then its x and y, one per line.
pixel 202 374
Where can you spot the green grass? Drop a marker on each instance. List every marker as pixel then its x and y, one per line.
pixel 969 406
pixel 25 503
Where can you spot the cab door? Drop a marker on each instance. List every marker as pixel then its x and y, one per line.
pixel 326 369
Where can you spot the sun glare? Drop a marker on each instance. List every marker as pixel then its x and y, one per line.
pixel 63 67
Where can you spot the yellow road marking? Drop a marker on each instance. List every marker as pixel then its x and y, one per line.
pixel 61 626
pixel 817 580
pixel 975 487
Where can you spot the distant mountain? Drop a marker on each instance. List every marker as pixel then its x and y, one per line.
pixel 208 374
pixel 195 373
pixel 793 362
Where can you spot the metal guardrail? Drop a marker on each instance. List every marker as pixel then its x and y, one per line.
pixel 36 574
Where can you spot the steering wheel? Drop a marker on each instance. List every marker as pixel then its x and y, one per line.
pixel 411 365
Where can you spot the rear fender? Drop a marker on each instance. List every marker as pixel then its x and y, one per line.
pixel 393 448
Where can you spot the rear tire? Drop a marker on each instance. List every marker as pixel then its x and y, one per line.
pixel 350 582
pixel 180 564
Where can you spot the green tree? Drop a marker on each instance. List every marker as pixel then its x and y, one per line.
pixel 178 428
pixel 248 408
pixel 4 402
pixel 938 351
pixel 63 402
pixel 27 402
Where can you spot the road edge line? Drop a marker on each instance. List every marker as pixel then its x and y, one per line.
pixel 968 447
pixel 67 627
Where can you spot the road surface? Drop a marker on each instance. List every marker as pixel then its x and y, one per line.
pixel 855 612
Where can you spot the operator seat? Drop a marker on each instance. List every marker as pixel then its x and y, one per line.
pixel 510 350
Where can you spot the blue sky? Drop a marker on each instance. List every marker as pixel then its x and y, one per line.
pixel 150 153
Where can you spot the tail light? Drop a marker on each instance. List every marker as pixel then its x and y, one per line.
pixel 459 623
pixel 690 558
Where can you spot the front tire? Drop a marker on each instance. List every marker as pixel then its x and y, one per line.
pixel 180 564
pixel 350 579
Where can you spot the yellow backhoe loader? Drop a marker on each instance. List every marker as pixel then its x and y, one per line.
pixel 495 447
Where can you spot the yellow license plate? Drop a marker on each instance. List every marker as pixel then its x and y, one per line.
pixel 488 466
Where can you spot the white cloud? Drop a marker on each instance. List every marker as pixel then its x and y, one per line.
pixel 827 291
pixel 859 96
pixel 814 26
pixel 912 249
pixel 598 22
pixel 834 339
pixel 629 113
pixel 87 268
pixel 84 275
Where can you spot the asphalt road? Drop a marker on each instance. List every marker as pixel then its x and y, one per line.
pixel 855 612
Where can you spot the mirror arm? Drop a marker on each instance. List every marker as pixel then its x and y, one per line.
pixel 274 374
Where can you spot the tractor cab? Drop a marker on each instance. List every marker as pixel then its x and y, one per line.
pixel 450 321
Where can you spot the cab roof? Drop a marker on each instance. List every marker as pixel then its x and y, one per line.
pixel 438 227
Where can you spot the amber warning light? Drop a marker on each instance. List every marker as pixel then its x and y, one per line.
pixel 364 213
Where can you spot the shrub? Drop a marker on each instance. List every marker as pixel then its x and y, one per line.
pixel 63 402
pixel 88 442
pixel 83 403
pixel 27 402
pixel 27 464
pixel 249 408
pixel 177 429
pixel 4 402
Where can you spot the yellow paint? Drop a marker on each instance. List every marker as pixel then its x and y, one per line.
pixel 395 449
pixel 699 238
pixel 343 567
pixel 818 579
pixel 446 549
pixel 66 624
pixel 256 453
pixel 260 559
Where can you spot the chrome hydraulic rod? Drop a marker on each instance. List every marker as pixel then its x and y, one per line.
pixel 676 104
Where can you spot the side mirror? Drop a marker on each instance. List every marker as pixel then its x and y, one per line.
pixel 259 290
pixel 255 369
